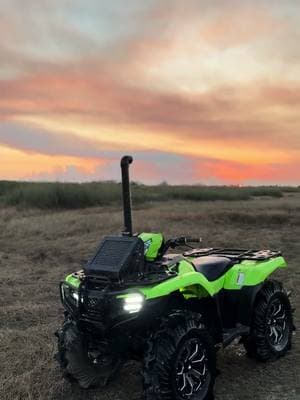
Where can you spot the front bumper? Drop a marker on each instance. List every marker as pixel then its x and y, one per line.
pixel 102 311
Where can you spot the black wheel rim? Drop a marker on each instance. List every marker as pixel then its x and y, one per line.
pixel 277 325
pixel 192 370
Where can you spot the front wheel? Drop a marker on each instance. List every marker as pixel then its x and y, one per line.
pixel 180 361
pixel 272 324
pixel 88 366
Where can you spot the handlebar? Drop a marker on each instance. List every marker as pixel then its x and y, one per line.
pixel 180 241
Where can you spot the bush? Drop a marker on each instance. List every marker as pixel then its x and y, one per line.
pixel 76 195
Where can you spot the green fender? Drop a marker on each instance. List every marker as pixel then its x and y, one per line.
pixel 251 272
pixel 72 281
pixel 187 280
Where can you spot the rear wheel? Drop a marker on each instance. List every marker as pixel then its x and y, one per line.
pixel 89 367
pixel 180 362
pixel 272 324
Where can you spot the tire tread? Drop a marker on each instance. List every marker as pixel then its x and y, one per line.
pixel 161 347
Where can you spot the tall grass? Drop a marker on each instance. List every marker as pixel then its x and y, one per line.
pixel 76 195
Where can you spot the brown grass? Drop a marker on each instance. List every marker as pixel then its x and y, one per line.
pixel 38 248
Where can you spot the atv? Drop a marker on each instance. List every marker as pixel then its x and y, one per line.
pixel 136 300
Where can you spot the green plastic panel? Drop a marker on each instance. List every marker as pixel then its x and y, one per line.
pixel 187 279
pixel 73 281
pixel 251 272
pixel 153 242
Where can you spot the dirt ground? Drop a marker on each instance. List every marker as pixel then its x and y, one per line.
pixel 38 248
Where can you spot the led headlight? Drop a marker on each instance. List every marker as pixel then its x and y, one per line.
pixel 133 302
pixel 69 295
pixel 75 296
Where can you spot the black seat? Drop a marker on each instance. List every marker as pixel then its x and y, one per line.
pixel 212 267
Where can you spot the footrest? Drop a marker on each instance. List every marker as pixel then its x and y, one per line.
pixel 230 334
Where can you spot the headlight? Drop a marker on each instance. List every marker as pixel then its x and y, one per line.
pixel 133 303
pixel 75 296
pixel 69 295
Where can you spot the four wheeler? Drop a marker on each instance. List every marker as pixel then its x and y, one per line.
pixel 134 300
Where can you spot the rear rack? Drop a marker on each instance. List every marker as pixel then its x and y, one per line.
pixel 236 254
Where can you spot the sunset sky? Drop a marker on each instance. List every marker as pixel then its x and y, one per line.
pixel 201 91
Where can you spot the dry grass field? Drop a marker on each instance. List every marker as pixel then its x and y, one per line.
pixel 37 248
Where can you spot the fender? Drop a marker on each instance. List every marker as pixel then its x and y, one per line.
pixel 187 279
pixel 247 298
pixel 252 272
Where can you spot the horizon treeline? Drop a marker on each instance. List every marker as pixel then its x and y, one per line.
pixel 57 195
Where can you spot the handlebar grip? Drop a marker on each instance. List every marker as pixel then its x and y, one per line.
pixel 184 240
pixel 194 240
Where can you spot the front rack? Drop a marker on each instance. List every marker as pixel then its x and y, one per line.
pixel 237 254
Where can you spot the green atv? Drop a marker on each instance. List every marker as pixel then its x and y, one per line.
pixel 134 300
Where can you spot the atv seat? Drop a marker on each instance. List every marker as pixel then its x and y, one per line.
pixel 212 267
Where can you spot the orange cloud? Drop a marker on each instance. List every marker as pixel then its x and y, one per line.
pixel 16 164
pixel 220 122
pixel 213 82
pixel 239 173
